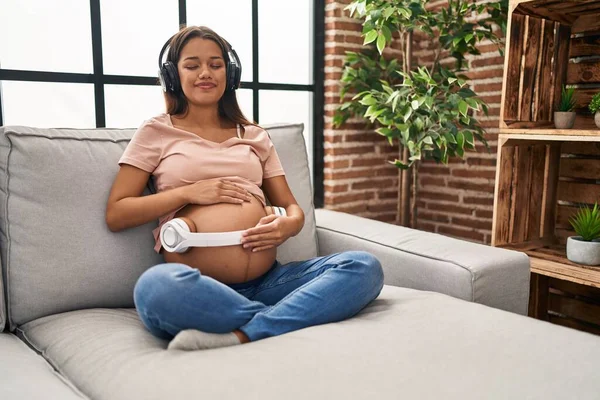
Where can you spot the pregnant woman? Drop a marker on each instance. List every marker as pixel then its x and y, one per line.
pixel 212 170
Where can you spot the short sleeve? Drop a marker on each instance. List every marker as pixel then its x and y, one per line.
pixel 272 166
pixel 145 148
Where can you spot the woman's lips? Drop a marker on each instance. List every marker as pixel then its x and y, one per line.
pixel 205 86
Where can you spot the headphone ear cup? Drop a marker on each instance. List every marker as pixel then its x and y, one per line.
pixel 172 76
pixel 185 227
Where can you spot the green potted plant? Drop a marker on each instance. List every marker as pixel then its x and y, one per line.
pixel 430 110
pixel 564 117
pixel 585 247
pixel 594 107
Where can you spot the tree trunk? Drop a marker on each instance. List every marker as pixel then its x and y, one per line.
pixel 404 210
pixel 413 214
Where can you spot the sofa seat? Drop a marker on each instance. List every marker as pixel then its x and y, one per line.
pixel 406 344
pixel 26 375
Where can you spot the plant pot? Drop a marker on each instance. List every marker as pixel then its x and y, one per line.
pixel 564 120
pixel 597 118
pixel 582 252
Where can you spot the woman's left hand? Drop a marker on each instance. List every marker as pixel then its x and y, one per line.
pixel 271 231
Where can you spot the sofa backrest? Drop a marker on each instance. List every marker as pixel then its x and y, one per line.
pixel 56 250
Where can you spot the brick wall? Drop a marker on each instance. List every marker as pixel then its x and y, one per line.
pixel 454 199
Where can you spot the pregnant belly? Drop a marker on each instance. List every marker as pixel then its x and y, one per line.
pixel 227 264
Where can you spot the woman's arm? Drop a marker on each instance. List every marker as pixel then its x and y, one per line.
pixel 278 192
pixel 271 231
pixel 127 208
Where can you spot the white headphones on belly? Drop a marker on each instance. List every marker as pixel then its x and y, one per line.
pixel 175 235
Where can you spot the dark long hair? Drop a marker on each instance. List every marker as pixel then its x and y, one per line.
pixel 177 103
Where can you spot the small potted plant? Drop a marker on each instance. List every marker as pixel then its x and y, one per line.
pixel 585 247
pixel 564 118
pixel 594 107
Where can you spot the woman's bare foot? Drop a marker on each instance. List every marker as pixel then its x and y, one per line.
pixel 242 336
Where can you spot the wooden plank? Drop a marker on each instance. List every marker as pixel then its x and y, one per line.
pixel 580 168
pixel 573 324
pixel 563 213
pixel 583 97
pixel 578 192
pixel 583 72
pixel 561 59
pixel 538 162
pixel 575 8
pixel 586 23
pixel 591 293
pixel 503 195
pixel 538 296
pixel 574 308
pixel 564 270
pixel 530 67
pixel 529 124
pixel 521 194
pixel 546 84
pixel 552 134
pixel 581 148
pixel 528 9
pixel 585 46
pixel 513 74
pixel 548 216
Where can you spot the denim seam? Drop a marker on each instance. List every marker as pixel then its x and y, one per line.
pixel 288 295
pixel 262 289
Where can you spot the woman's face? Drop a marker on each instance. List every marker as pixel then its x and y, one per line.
pixel 202 71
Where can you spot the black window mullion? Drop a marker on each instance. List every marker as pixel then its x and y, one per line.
pixel 182 14
pixel 98 76
pixel 318 101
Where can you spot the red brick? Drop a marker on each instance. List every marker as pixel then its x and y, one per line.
pixel 425 226
pixel 340 151
pixel 473 223
pixel 390 218
pixel 372 184
pixel 468 185
pixel 487 87
pixel 433 217
pixel 368 162
pixel 485 214
pixel 336 188
pixel 450 208
pixel 430 181
pixel 485 73
pixel 382 207
pixel 350 209
pixel 387 195
pixel 438 196
pixel 349 198
pixel 473 173
pixel 484 201
pixel 484 62
pixel 337 164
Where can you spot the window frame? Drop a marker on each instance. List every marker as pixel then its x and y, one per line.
pixel 99 79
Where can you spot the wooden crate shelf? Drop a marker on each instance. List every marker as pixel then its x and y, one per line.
pixel 543 174
pixel 550 44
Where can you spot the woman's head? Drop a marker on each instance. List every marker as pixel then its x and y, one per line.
pixel 200 57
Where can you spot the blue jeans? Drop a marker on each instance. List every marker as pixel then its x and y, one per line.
pixel 172 297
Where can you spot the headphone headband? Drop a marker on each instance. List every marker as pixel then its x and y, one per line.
pixel 169 77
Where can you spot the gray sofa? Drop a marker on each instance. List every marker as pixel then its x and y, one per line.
pixel 449 324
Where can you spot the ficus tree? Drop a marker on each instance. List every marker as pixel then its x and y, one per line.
pixel 429 110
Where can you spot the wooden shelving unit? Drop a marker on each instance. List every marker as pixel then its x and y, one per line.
pixel 542 172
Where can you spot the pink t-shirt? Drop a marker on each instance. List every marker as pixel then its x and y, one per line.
pixel 176 157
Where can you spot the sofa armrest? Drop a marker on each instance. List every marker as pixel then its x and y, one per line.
pixel 427 261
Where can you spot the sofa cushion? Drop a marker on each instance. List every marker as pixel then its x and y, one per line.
pixel 428 261
pixel 57 252
pixel 26 375
pixel 405 344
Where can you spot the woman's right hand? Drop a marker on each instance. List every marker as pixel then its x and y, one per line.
pixel 216 190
